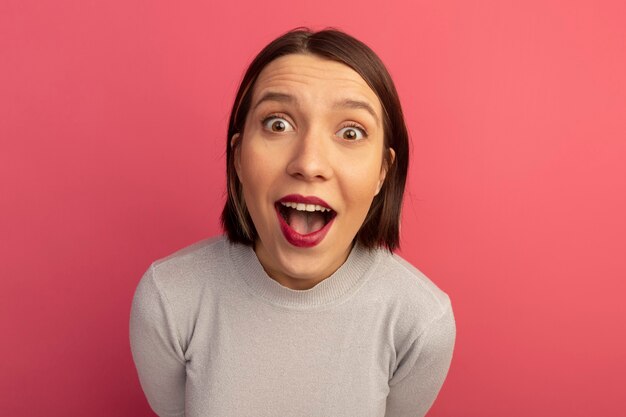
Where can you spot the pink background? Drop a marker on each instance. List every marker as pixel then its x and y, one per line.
pixel 112 126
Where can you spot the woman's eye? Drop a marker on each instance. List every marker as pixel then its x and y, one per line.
pixel 351 133
pixel 277 124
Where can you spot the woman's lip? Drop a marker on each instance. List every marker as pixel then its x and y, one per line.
pixel 297 198
pixel 299 240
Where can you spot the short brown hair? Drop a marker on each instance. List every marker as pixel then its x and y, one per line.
pixel 381 227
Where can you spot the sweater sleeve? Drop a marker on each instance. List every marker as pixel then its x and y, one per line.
pixel 421 372
pixel 156 349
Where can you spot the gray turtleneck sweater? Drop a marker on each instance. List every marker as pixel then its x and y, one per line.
pixel 212 335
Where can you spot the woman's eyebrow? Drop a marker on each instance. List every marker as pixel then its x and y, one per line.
pixel 345 103
pixel 275 96
pixel 357 104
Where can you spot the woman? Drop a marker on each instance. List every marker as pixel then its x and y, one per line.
pixel 303 310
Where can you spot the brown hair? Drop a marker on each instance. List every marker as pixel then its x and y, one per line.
pixel 381 227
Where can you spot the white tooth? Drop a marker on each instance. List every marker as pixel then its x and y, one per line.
pixel 304 207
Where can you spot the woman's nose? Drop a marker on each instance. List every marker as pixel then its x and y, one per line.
pixel 310 159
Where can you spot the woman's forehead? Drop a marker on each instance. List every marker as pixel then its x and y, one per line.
pixel 307 76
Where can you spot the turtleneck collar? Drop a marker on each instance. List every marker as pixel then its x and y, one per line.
pixel 344 281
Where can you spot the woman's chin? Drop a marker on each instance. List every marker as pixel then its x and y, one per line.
pixel 298 268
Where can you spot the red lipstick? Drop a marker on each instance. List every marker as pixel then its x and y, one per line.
pixel 294 238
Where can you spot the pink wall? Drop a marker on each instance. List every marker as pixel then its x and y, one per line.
pixel 112 125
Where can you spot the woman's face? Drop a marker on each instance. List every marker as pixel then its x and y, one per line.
pixel 310 162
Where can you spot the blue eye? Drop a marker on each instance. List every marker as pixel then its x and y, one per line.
pixel 352 133
pixel 277 124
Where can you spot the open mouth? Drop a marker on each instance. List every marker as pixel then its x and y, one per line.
pixel 305 219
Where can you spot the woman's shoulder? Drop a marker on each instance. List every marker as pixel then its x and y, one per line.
pixel 407 274
pixel 171 291
pixel 189 269
pixel 195 252
pixel 200 253
pixel 410 290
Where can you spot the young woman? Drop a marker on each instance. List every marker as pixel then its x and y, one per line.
pixel 302 309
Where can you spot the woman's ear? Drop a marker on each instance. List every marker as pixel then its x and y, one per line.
pixel 387 163
pixel 234 146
